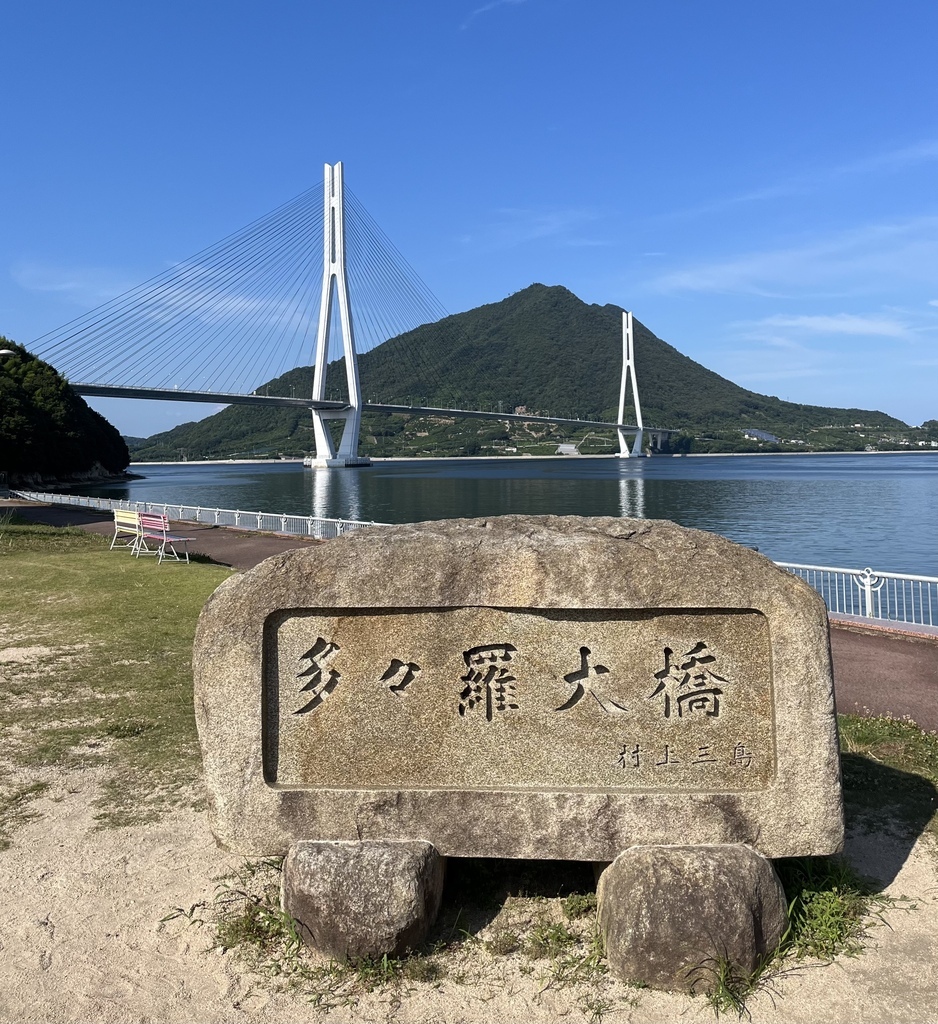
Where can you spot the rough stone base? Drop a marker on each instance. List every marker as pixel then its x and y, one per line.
pixel 362 899
pixel 670 914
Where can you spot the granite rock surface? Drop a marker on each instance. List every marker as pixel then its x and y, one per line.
pixel 550 687
pixel 670 915
pixel 362 899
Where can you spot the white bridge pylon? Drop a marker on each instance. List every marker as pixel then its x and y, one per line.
pixel 335 293
pixel 335 290
pixel 628 370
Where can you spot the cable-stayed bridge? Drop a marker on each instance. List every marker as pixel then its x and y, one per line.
pixel 315 276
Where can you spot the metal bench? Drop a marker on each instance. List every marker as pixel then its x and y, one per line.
pixel 155 529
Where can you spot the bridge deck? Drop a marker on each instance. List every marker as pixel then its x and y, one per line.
pixel 225 398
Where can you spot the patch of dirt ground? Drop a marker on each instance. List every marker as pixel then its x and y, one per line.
pixel 82 939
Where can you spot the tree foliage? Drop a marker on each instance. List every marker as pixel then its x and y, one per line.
pixel 46 430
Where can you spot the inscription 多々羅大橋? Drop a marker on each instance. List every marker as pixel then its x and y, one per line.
pixel 522 699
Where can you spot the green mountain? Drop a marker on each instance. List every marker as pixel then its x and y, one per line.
pixel 46 430
pixel 541 350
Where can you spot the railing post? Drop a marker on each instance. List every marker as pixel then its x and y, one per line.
pixel 866 579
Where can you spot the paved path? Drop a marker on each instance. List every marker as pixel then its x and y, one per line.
pixel 876 671
pixel 882 672
pixel 241 549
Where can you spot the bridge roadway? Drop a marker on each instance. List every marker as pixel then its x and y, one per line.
pixel 226 398
pixel 877 671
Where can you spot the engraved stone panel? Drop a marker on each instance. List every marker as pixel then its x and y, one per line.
pixel 522 686
pixel 494 699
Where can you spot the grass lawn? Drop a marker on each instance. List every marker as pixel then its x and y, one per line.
pixel 96 669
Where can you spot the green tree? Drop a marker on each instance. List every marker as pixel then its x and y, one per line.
pixel 46 429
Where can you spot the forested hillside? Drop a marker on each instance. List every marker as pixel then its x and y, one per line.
pixel 541 350
pixel 46 430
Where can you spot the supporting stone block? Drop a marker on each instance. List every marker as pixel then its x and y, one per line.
pixel 670 914
pixel 363 899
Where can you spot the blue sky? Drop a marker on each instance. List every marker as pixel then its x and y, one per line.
pixel 757 182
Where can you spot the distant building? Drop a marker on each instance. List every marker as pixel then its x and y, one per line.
pixel 760 435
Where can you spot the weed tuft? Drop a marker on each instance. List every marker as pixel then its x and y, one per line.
pixel 830 907
pixel 579 904
pixel 125 730
pixel 548 939
pixel 504 943
pixel 726 985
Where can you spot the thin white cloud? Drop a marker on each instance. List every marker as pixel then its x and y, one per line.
pixel 773 363
pixel 777 341
pixel 840 323
pixel 921 152
pixel 925 151
pixel 779 373
pixel 771 353
pixel 195 292
pixel 513 227
pixel 85 286
pixel 485 8
pixel 860 261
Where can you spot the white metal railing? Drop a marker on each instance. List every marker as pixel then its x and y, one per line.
pixel 269 522
pixel 898 597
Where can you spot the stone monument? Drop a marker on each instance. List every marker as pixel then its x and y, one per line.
pixel 539 687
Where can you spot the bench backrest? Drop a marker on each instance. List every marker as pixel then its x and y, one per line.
pixel 126 519
pixel 153 523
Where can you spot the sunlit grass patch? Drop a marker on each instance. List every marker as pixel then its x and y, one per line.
pixel 16 808
pixel 890 774
pixel 104 676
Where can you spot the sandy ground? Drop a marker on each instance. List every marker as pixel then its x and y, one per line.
pixel 81 939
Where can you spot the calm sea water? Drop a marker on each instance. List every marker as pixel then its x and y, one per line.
pixel 838 510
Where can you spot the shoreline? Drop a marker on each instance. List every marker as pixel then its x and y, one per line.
pixel 527 458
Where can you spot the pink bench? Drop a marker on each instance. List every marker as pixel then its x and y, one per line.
pixel 155 529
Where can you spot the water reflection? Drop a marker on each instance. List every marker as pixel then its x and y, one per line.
pixel 336 494
pixel 632 497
